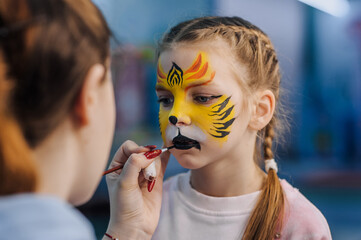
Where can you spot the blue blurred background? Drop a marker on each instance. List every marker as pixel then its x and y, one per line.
pixel 320 57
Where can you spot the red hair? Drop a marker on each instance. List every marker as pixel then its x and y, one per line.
pixel 17 169
pixel 46 50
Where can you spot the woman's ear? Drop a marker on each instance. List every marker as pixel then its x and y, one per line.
pixel 264 107
pixel 85 102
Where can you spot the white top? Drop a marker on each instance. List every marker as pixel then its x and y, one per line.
pixel 40 217
pixel 187 214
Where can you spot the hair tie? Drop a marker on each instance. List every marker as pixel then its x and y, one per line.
pixel 271 163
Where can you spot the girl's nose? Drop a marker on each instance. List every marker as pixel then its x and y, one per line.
pixel 180 120
pixel 173 120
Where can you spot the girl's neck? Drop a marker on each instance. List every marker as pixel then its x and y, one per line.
pixel 228 177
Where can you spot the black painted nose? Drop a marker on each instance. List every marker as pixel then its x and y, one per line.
pixel 173 120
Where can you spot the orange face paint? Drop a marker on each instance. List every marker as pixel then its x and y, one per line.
pixel 215 119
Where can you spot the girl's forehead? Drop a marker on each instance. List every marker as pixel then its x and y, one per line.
pixel 227 71
pixel 185 56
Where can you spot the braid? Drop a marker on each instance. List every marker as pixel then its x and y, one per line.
pixel 175 31
pixel 268 139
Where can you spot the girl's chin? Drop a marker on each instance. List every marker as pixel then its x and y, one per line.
pixel 191 165
pixel 188 158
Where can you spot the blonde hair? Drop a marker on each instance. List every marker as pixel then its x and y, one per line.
pixel 251 47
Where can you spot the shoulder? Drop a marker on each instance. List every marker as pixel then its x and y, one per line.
pixel 302 219
pixel 39 217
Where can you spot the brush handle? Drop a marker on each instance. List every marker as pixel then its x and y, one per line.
pixel 112 169
pixel 150 154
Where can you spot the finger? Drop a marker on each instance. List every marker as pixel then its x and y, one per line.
pixel 150 172
pixel 123 153
pixel 156 187
pixel 151 147
pixel 131 147
pixel 132 168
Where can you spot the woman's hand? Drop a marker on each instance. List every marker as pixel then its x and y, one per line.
pixel 134 212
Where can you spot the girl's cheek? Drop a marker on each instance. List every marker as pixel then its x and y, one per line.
pixel 163 122
pixel 217 120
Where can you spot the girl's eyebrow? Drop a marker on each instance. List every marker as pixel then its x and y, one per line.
pixel 202 83
pixel 160 88
pixel 197 84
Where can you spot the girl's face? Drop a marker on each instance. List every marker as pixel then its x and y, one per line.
pixel 201 105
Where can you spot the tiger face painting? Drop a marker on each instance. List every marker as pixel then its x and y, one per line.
pixel 188 107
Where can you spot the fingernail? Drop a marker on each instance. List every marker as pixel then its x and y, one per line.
pixel 152 154
pixel 151 185
pixel 151 147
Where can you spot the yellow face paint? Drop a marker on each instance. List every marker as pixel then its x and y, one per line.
pixel 215 119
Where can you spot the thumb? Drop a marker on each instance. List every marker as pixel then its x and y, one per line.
pixel 132 168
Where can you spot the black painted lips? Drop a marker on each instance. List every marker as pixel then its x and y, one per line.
pixel 184 143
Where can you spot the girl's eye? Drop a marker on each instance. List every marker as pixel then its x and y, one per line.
pixel 205 99
pixel 165 101
pixel 202 99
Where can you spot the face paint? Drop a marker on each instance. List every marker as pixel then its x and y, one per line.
pixel 207 115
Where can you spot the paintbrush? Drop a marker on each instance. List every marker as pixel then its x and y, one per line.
pixel 150 171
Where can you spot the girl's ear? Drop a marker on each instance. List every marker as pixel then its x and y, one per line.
pixel 85 102
pixel 263 109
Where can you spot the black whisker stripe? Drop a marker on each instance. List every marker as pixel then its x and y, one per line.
pixel 221 105
pixel 223 134
pixel 225 113
pixel 224 125
pixel 219 127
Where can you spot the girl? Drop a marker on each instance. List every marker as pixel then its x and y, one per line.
pixel 56 124
pixel 218 84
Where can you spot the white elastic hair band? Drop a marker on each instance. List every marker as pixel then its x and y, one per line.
pixel 271 163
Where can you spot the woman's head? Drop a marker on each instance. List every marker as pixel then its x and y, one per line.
pixel 55 52
pixel 218 83
pixel 48 50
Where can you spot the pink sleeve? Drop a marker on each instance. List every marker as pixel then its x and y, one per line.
pixel 302 219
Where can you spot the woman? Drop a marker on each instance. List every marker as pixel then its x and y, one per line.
pixel 57 120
